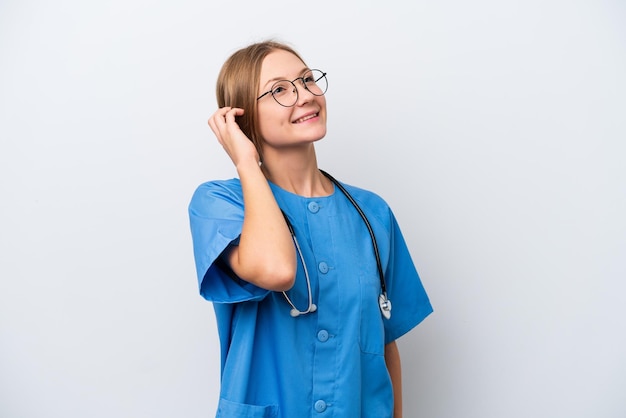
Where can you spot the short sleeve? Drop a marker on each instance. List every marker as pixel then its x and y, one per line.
pixel 216 219
pixel 409 302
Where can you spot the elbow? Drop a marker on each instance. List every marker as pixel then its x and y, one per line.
pixel 276 273
pixel 280 278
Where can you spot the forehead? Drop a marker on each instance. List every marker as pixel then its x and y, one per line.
pixel 280 64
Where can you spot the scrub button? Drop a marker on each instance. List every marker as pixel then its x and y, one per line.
pixel 322 335
pixel 320 406
pixel 323 267
pixel 314 207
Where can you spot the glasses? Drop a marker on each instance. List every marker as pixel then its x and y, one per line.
pixel 286 94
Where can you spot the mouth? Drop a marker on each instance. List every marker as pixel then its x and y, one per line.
pixel 306 117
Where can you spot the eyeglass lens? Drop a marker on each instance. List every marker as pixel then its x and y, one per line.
pixel 286 93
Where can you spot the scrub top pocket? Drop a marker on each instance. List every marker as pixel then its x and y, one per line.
pixel 229 409
pixel 372 331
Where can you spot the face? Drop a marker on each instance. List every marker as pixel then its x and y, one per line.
pixel 280 126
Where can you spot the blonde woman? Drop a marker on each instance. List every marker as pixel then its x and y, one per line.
pixel 303 271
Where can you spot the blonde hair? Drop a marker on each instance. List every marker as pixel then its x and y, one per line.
pixel 238 84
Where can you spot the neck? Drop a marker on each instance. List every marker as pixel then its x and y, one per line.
pixel 297 173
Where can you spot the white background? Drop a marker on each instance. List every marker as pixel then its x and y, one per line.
pixel 495 129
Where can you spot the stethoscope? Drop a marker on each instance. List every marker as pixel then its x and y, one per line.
pixel 383 301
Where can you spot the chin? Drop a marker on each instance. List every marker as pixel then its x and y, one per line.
pixel 318 136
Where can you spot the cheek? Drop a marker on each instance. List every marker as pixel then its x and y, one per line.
pixel 320 101
pixel 270 124
pixel 266 128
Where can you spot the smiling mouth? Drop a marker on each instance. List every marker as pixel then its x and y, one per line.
pixel 305 118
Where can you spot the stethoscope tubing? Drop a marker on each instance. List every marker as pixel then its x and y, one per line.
pixel 379 266
pixel 385 304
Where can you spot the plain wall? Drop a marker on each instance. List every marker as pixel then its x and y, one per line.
pixel 495 129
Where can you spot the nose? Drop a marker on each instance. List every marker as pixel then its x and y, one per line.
pixel 304 95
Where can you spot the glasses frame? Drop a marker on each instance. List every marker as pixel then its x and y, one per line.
pixel 293 83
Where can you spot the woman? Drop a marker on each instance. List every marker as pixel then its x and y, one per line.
pixel 288 261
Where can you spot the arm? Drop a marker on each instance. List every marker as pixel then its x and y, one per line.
pixel 392 358
pixel 265 255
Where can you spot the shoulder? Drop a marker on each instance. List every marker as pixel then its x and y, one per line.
pixel 367 198
pixel 218 190
pixel 228 187
pixel 374 206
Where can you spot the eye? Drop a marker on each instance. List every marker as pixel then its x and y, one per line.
pixel 308 78
pixel 281 88
pixel 278 90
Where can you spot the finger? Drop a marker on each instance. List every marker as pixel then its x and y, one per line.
pixel 213 127
pixel 213 120
pixel 232 113
pixel 217 121
pixel 220 114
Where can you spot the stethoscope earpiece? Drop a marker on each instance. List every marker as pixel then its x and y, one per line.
pixel 294 312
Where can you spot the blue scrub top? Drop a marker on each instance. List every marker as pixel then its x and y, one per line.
pixel 329 363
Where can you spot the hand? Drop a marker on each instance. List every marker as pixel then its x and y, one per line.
pixel 236 144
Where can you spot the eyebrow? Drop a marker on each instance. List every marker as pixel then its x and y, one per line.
pixel 280 78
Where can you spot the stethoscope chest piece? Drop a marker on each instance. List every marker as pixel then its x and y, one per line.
pixel 385 305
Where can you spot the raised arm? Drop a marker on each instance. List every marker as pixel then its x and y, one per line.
pixel 265 255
